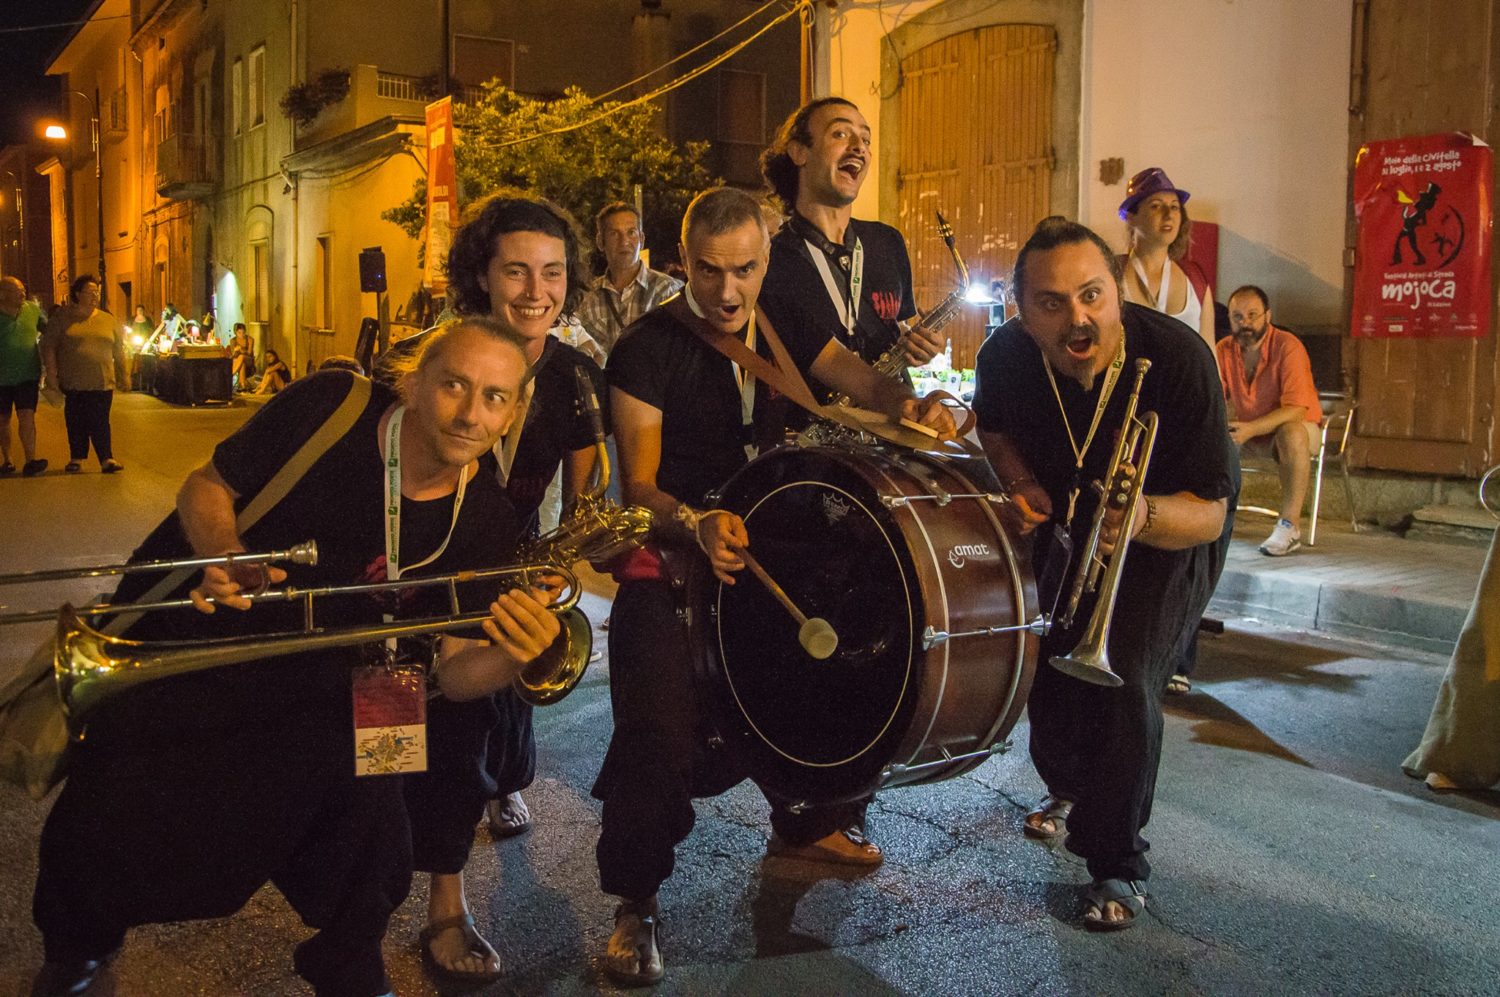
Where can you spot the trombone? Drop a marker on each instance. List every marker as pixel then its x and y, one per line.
pixel 1089 660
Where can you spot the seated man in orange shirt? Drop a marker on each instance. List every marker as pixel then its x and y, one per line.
pixel 1273 404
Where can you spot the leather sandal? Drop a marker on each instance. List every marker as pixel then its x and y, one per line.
pixel 1052 808
pixel 477 947
pixel 847 846
pixel 633 957
pixel 1128 893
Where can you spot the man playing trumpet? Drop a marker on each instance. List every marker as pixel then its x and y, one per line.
pixel 191 792
pixel 1051 391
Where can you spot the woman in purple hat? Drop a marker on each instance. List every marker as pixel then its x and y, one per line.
pixel 1157 227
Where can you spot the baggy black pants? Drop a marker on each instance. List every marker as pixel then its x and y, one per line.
pixel 151 837
pixel 467 745
pixel 86 416
pixel 660 756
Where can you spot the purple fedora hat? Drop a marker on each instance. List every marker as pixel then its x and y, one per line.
pixel 1145 183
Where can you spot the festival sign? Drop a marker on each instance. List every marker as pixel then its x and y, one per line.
pixel 1422 262
pixel 442 193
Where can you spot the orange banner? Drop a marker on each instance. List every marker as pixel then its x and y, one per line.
pixel 442 193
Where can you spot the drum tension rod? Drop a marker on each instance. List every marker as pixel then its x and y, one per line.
pixel 897 769
pixel 941 498
pixel 932 637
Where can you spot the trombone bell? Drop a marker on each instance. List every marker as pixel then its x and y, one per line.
pixel 1090 663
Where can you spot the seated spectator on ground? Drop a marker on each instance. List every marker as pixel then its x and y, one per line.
pixel 1273 404
pixel 277 375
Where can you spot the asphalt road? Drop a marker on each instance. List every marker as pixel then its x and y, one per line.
pixel 1291 855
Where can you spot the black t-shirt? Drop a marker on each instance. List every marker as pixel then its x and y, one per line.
pixel 1192 451
pixel 661 362
pixel 339 503
pixel 555 425
pixel 797 301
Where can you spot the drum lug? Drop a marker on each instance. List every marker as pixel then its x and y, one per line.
pixel 1040 626
pixel 932 638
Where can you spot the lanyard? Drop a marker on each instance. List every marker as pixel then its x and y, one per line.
pixel 1111 376
pixel 393 567
pixel 742 377
pixel 848 310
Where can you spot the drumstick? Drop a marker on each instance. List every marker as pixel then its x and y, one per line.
pixel 815 635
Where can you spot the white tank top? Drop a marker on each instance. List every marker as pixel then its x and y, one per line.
pixel 1192 312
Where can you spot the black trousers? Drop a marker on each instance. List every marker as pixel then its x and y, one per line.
pixel 151 837
pixel 1098 746
pixel 510 759
pixel 661 755
pixel 1187 658
pixel 469 746
pixel 86 416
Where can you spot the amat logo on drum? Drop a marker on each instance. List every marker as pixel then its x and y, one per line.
pixel 960 554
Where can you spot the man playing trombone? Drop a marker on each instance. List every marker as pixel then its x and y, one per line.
pixel 191 792
pixel 1053 389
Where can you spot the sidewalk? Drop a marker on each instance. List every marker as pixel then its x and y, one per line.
pixel 1371 585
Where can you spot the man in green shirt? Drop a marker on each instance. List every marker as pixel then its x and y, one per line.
pixel 21 322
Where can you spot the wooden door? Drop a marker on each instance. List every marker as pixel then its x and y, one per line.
pixel 976 144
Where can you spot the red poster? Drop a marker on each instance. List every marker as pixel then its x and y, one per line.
pixel 442 193
pixel 1422 264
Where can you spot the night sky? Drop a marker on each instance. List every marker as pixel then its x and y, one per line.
pixel 25 93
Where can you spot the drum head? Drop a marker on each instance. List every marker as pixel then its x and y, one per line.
pixel 813 729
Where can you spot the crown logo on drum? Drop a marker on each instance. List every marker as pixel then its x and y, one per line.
pixel 835 508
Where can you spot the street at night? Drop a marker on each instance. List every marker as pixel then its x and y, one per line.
pixel 1291 854
pixel 771 497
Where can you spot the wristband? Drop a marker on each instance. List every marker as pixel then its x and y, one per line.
pixel 1150 515
pixel 688 517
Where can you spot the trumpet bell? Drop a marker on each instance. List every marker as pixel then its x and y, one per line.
pixel 560 668
pixel 1088 664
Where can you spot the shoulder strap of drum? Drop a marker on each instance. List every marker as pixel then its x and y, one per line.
pixel 782 376
pixel 282 482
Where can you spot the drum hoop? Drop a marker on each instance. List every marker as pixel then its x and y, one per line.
pixel 910 646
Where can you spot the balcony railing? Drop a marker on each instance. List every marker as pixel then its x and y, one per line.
pixel 393 86
pixel 185 168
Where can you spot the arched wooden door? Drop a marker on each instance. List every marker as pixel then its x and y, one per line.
pixel 976 144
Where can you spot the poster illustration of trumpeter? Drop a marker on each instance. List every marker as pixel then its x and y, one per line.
pixel 1422 262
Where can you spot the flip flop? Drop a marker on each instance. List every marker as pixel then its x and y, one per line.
pixel 507 816
pixel 1128 893
pixel 1179 685
pixel 1052 808
pixel 478 948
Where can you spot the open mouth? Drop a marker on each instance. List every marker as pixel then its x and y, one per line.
pixel 530 312
pixel 1079 346
pixel 852 168
pixel 727 313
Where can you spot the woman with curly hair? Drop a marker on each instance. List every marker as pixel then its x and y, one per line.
pixel 516 260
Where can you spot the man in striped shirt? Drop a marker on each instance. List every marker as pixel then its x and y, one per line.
pixel 628 288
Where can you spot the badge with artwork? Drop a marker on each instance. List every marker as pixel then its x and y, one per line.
pixel 390 720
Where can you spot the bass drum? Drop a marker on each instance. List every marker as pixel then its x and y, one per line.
pixel 894 549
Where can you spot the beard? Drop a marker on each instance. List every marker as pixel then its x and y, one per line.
pixel 1251 337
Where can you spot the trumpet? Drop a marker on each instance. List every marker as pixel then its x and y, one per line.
pixel 1089 660
pixel 892 363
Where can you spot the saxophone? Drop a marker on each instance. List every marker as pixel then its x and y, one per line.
pixel 892 362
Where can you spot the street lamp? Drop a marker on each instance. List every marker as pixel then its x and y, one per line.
pixel 61 133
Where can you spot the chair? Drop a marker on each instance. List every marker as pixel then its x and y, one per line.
pixel 1328 445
